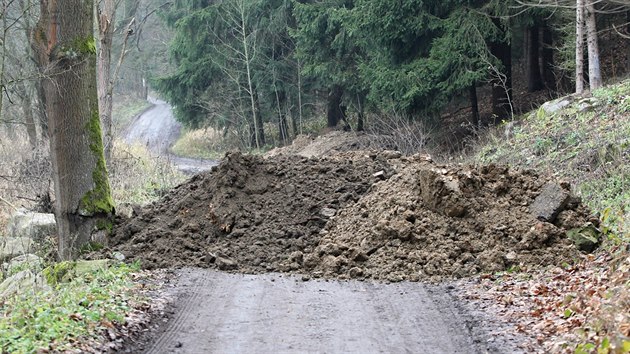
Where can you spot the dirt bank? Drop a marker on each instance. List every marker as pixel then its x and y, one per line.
pixel 351 215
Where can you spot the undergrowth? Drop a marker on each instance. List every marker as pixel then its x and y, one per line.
pixel 78 311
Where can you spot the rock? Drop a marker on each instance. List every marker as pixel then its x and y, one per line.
pixel 380 175
pixel 225 263
pixel 549 203
pixel 37 226
pixel 118 256
pixel 22 282
pixel 11 247
pixel 355 272
pixel 328 212
pixel 557 104
pixel 586 239
pixel 25 261
pixel 587 104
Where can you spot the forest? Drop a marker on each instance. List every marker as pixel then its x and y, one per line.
pixel 477 151
pixel 241 65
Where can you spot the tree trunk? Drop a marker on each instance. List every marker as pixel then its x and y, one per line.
pixel 474 104
pixel 579 47
pixel 594 71
pixel 83 200
pixel 502 83
pixel 534 79
pixel 547 58
pixel 334 112
pixel 283 128
pixel 29 121
pixel 260 130
pixel 106 18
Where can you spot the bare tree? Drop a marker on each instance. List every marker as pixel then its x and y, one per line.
pixel 67 51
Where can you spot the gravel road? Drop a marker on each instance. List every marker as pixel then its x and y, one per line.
pixel 218 312
pixel 158 130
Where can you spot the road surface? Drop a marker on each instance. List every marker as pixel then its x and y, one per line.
pixel 219 312
pixel 158 130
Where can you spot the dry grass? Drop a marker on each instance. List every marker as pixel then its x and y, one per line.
pixel 138 177
pixel 205 143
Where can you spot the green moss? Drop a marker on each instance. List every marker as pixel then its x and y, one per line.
pixel 98 200
pixel 56 272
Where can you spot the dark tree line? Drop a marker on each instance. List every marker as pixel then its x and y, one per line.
pixel 240 65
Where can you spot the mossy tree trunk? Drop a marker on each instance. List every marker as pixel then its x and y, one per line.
pixel 67 49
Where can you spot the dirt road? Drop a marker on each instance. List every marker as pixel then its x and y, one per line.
pixel 232 313
pixel 158 130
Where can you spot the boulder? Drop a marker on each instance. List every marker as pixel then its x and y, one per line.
pixel 550 202
pixel 22 282
pixel 25 261
pixel 11 247
pixel 557 104
pixel 37 226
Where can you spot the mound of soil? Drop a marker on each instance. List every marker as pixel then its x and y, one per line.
pixel 352 215
pixel 324 145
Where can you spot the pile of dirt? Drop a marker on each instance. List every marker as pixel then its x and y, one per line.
pixel 353 215
pixel 324 145
pixel 248 213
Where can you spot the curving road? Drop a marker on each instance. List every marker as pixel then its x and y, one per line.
pixel 158 130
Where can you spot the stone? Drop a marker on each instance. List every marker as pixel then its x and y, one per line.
pixel 550 202
pixel 586 239
pixel 118 256
pixel 11 247
pixel 328 212
pixel 380 175
pixel 355 272
pixel 225 263
pixel 38 226
pixel 557 104
pixel 25 261
pixel 22 282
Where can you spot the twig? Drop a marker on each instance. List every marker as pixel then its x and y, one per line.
pixel 9 204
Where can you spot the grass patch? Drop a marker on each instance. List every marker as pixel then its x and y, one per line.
pixel 78 311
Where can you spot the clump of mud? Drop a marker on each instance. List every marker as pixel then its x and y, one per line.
pixel 352 215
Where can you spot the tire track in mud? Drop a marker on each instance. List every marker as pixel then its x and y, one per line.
pixel 273 313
